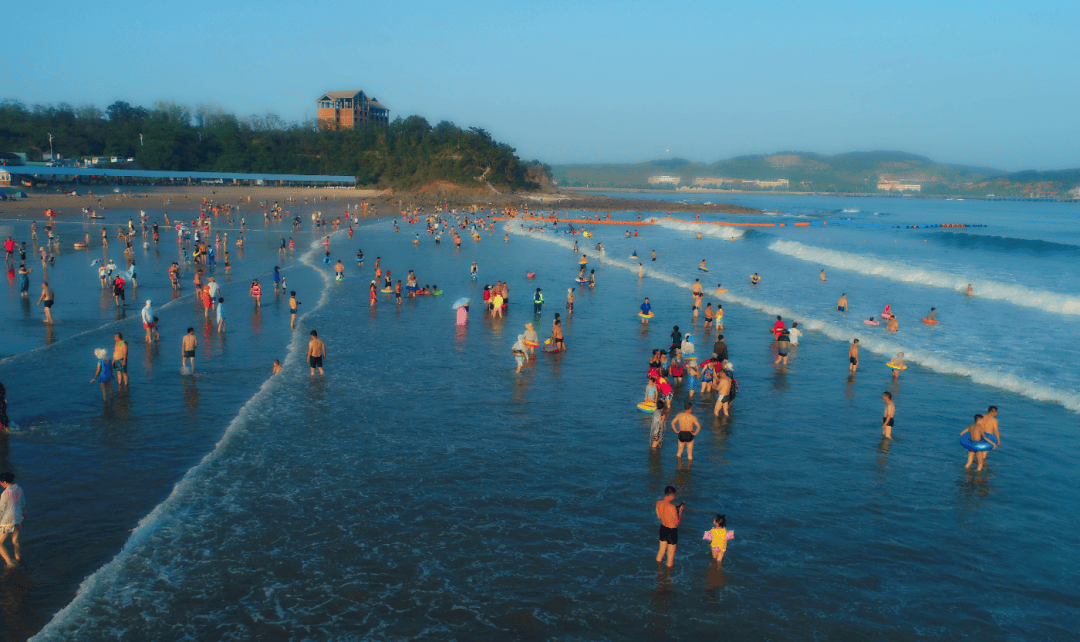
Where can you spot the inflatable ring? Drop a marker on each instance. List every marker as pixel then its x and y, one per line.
pixel 896 367
pixel 721 291
pixel 387 290
pixel 531 344
pixel 869 322
pixel 645 316
pixel 647 406
pixel 986 443
pixel 703 269
pixel 929 321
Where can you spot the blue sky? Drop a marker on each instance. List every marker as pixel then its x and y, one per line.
pixel 981 83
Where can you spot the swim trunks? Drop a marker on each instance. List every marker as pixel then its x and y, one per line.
pixel 315 362
pixel 119 366
pixel 782 353
pixel 686 436
pixel 189 354
pixel 853 361
pixel 888 423
pixel 841 308
pixel 47 303
pixel 669 535
pixel 725 399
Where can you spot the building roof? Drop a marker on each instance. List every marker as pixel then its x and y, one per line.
pixel 375 103
pixel 333 95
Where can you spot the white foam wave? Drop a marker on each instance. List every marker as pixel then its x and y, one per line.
pixel 713 231
pixel 886 347
pixel 846 211
pixel 103 578
pixel 1053 302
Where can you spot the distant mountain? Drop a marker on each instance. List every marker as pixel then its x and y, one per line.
pixel 809 172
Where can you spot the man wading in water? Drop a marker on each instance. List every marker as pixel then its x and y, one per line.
pixel 686 425
pixel 669 516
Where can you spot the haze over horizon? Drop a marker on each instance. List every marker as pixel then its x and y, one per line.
pixel 976 84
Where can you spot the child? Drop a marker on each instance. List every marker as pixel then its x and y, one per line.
pixel 277 367
pixel 220 314
pixel 719 537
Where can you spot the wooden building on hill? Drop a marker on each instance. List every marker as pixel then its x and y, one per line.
pixel 347 109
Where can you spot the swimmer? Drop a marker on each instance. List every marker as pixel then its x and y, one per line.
pixel 293 303
pixel 887 418
pixel 723 394
pixel 47 299
pixel 822 277
pixel 654 255
pixel 640 270
pixel 646 310
pixel 990 427
pixel 930 316
pixel 316 352
pixel 221 314
pixel 669 515
pixel 709 317
pixel 853 356
pixel 686 426
pixel 970 292
pixel 894 325
pixel 339 270
pixel 841 305
pixel 754 279
pixel 701 266
pixel 120 359
pixel 187 347
pixel 975 434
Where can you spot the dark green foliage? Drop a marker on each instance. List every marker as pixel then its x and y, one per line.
pixel 406 154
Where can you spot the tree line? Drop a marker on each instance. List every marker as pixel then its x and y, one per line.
pixel 405 154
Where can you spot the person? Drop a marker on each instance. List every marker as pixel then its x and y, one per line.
pixel 4 421
pixel 207 300
pixel 970 292
pixel 719 318
pixel 12 513
pixel 783 344
pixel 256 292
pixel 718 535
pixel 119 359
pixel 990 427
pixel 102 375
pixel 277 270
pixel 894 325
pixel 709 317
pixel 316 352
pixel 557 341
pixel 569 301
pixel 462 315
pixel 853 356
pixel 656 431
pixel 220 314
pixel 701 266
pixel 640 270
pixel 118 289
pixel 646 312
pixel 822 275
pixel 520 352
pixel 187 347
pixel 654 255
pixel 889 416
pixel 794 334
pixel 496 304
pixel 687 348
pixel 676 338
pixel 339 270
pixel 148 321
pixel 777 327
pixel 538 301
pixel 723 393
pixel 46 299
pixel 755 279
pixel 686 425
pixel 293 303
pixel 841 305
pixel 976 433
pixel 669 515
pixel 531 339
pixel 24 280
pixel 931 317
pixel 277 367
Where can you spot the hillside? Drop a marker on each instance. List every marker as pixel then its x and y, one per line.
pixel 405 154
pixel 809 172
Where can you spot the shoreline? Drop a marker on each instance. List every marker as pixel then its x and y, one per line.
pixel 387 202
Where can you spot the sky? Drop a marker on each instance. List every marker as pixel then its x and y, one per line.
pixel 988 83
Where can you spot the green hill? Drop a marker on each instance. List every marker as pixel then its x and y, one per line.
pixel 809 172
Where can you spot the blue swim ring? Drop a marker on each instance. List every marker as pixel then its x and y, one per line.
pixel 986 443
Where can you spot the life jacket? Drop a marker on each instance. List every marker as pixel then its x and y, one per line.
pixel 664 386
pixel 538 298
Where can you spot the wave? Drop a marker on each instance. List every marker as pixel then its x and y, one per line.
pixel 1052 302
pixel 850 211
pixel 1004 244
pixel 104 577
pixel 713 231
pixel 886 347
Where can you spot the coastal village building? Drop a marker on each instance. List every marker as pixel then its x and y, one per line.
pixel 889 185
pixel 665 180
pixel 5 178
pixel 347 109
pixel 741 183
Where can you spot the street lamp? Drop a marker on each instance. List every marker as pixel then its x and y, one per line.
pixel 140 140
pixel 51 157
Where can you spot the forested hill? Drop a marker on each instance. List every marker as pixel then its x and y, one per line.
pixel 406 154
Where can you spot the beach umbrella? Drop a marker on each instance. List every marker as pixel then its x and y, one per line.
pixel 460 302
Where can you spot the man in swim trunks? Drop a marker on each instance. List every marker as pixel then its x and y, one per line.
pixel 315 352
pixel 119 359
pixel 46 299
pixel 723 394
pixel 557 335
pixel 293 303
pixel 890 412
pixel 990 427
pixel 841 305
pixel 339 270
pixel 975 433
pixel 686 426
pixel 853 356
pixel 823 275
pixel 188 346
pixel 669 515
pixel 709 316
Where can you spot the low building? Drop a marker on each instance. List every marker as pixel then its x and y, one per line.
pixel 665 180
pixel 347 109
pixel 741 183
pixel 5 178
pixel 890 185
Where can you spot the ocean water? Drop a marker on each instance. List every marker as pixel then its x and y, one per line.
pixel 422 490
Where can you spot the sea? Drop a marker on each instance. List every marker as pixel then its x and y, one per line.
pixel 420 489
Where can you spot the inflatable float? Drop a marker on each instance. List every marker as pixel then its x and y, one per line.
pixel 582 280
pixel 531 275
pixel 929 321
pixel 986 443
pixel 720 290
pixel 647 406
pixel 387 290
pixel 531 344
pixel 645 316
pixel 896 367
pixel 870 322
pixel 703 269
pixel 80 246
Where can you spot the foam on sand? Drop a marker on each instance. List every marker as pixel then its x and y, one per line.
pixel 1052 302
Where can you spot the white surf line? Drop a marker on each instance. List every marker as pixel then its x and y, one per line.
pixel 54 630
pixel 885 347
pixel 1053 302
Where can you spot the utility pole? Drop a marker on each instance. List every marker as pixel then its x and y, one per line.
pixel 140 140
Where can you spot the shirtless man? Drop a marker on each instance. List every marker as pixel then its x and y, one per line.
pixel 557 335
pixel 822 275
pixel 853 356
pixel 990 427
pixel 339 270
pixel 723 395
pixel 188 346
pixel 316 350
pixel 709 316
pixel 686 426
pixel 669 515
pixel 894 325
pixel 975 433
pixel 890 412
pixel 841 305
pixel 120 359
pixel 46 299
pixel 970 292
